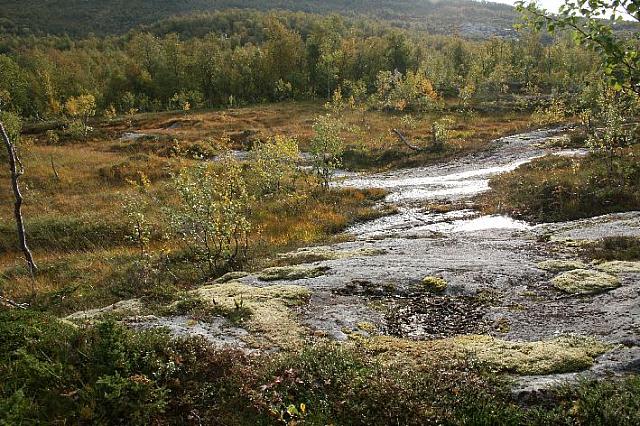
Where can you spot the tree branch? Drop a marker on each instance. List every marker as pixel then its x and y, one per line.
pixel 17 169
pixel 404 140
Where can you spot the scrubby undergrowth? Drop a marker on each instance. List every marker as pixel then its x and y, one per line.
pixel 106 374
pixel 554 188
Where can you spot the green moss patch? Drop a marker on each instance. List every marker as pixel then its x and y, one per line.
pixel 560 355
pixel 585 281
pixel 271 320
pixel 290 273
pixel 619 267
pixel 434 284
pixel 318 254
pixel 557 265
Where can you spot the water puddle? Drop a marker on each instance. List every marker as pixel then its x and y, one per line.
pixel 425 184
pixel 414 222
pixel 482 223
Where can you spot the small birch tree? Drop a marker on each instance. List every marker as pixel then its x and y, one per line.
pixel 327 147
pixel 211 216
pixel 273 162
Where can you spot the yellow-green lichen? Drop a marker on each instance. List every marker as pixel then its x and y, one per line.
pixel 317 254
pixel 558 265
pixel 367 327
pixel 571 242
pixel 434 284
pixel 291 273
pixel 619 267
pixel 502 325
pixel 232 276
pixel 119 309
pixel 560 355
pixel 585 281
pixel 271 321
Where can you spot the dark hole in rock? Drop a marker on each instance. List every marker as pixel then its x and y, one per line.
pixel 434 317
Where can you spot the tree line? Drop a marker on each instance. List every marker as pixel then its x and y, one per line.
pixel 243 57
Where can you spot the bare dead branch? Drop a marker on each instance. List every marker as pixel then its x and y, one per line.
pixel 405 141
pixel 11 303
pixel 16 169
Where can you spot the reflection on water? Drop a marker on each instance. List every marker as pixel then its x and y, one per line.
pixel 414 186
pixel 481 223
pixel 409 187
pixel 415 221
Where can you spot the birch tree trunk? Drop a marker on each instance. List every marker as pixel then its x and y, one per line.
pixel 17 170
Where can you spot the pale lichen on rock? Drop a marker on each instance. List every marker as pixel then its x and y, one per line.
pixel 559 265
pixel 323 253
pixel 585 281
pixel 271 321
pixel 619 267
pixel 118 309
pixel 291 273
pixel 560 355
pixel 232 276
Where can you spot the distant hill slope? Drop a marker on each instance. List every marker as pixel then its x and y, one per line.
pixel 102 17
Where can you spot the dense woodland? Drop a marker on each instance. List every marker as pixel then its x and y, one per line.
pixel 242 57
pixel 79 17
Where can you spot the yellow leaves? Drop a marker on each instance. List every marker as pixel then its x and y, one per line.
pixel 82 106
pixel 426 88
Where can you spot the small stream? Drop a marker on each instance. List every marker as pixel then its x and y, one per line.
pixel 457 182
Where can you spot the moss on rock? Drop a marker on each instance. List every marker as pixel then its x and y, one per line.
pixel 619 267
pixel 585 281
pixel 271 320
pixel 557 265
pixel 317 254
pixel 232 276
pixel 560 355
pixel 291 273
pixel 434 284
pixel 118 309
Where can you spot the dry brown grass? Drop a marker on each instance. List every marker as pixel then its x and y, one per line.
pixel 76 224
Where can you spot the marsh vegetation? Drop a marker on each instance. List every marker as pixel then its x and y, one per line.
pixel 283 217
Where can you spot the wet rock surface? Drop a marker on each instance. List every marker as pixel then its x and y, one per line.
pixel 498 270
pixel 476 255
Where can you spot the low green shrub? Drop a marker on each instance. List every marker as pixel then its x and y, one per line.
pixel 57 373
pixel 614 248
pixel 554 188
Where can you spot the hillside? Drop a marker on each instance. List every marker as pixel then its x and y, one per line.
pixel 83 17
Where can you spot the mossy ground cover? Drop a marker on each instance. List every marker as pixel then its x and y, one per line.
pixel 560 355
pixel 322 253
pixel 105 374
pixel 585 281
pixel 561 265
pixel 291 273
pixel 268 313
